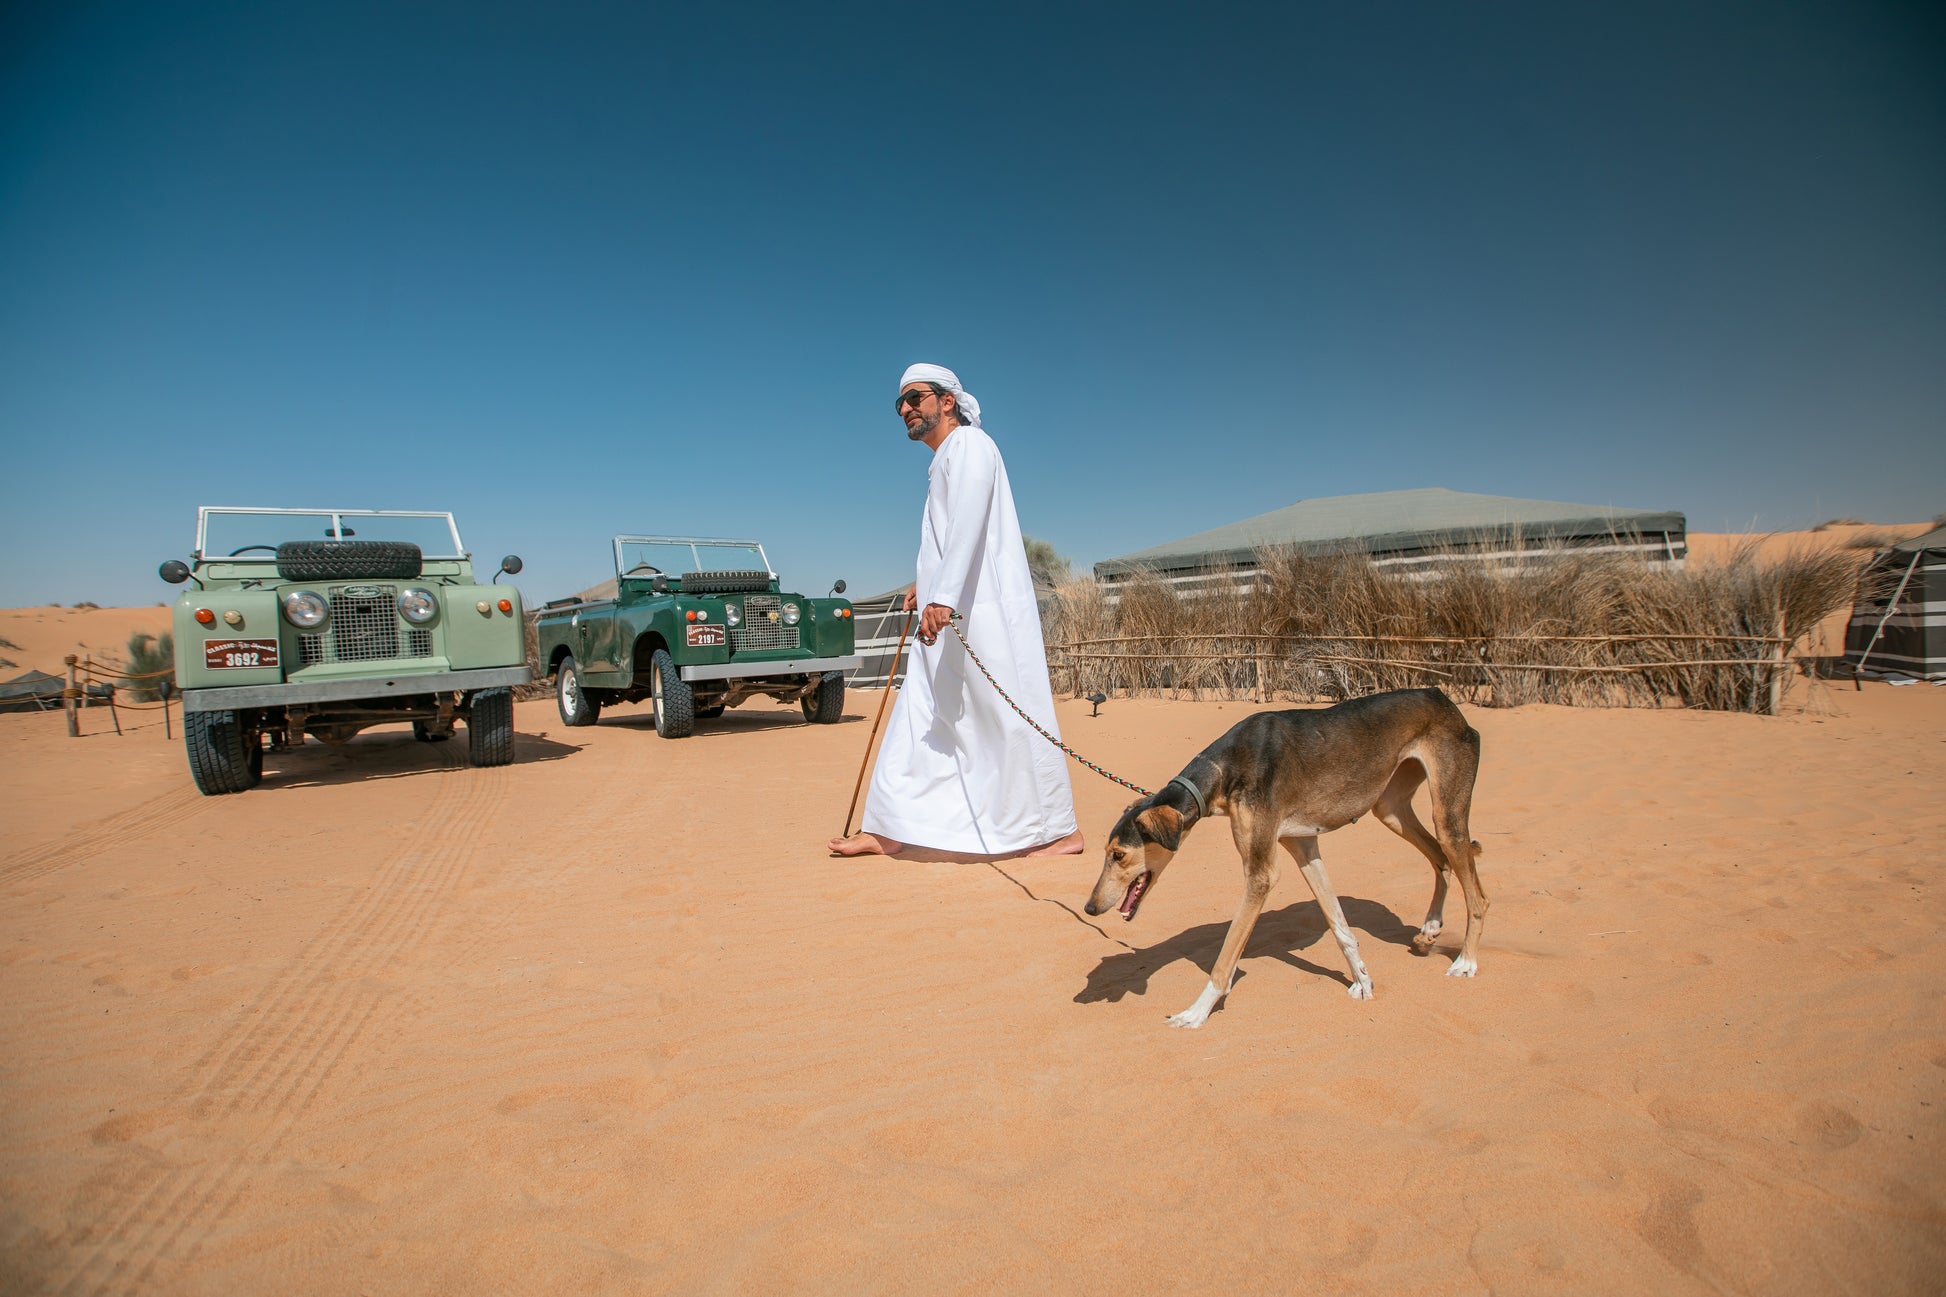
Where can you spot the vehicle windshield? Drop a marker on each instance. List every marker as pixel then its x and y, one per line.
pixel 644 556
pixel 256 533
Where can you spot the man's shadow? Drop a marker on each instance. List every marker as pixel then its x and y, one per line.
pixel 1279 934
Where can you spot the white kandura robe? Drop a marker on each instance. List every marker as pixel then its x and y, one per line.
pixel 958 770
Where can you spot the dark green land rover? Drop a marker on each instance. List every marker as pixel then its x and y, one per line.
pixel 696 625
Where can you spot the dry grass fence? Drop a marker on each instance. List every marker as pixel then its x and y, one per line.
pixel 1590 630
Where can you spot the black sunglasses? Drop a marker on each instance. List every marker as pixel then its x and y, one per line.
pixel 913 398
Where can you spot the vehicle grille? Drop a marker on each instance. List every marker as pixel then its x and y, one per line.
pixel 758 630
pixel 364 627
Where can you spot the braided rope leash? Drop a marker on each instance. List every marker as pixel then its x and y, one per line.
pixel 953 625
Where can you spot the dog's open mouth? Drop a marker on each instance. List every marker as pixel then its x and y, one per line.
pixel 1132 898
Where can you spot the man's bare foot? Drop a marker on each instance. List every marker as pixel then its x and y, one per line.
pixel 866 844
pixel 1071 845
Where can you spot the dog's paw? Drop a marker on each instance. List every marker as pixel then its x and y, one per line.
pixel 1462 967
pixel 1360 991
pixel 1198 1013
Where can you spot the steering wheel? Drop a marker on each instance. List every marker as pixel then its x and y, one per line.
pixel 247 548
pixel 645 569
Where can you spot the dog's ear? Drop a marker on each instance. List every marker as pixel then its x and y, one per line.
pixel 1162 825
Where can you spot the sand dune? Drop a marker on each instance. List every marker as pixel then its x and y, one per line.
pixel 39 638
pixel 609 1020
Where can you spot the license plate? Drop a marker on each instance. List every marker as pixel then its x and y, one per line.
pixel 223 654
pixel 707 637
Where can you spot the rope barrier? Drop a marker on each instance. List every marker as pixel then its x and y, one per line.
pixel 1422 639
pixel 1484 664
pixel 112 673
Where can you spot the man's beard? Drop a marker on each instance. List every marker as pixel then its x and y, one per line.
pixel 923 428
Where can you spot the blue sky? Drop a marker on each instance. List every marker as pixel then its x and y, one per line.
pixel 580 268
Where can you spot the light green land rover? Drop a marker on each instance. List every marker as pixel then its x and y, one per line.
pixel 327 621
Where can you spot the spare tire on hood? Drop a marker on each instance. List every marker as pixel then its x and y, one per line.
pixel 735 581
pixel 357 560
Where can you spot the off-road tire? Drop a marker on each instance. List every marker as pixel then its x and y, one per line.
pixel 352 560
pixel 583 710
pixel 221 759
pixel 825 704
pixel 425 733
pixel 490 728
pixel 729 582
pixel 669 694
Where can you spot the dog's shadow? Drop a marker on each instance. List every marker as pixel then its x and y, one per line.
pixel 1279 934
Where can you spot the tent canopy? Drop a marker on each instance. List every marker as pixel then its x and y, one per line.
pixel 1411 526
pixel 38 691
pixel 877 622
pixel 1898 619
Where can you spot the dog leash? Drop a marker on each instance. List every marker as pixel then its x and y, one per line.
pixel 952 624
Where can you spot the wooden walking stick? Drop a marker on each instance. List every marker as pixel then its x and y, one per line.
pixel 890 676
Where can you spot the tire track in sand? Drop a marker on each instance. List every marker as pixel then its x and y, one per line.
pixel 121 829
pixel 267 1068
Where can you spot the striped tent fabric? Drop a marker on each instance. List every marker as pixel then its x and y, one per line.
pixel 878 621
pixel 1898 620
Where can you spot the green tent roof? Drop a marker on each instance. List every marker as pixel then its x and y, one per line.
pixel 1392 522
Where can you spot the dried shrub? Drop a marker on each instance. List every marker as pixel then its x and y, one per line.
pixel 539 686
pixel 1498 632
pixel 147 655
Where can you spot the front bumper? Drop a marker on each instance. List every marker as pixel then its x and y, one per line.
pixel 331 691
pixel 787 667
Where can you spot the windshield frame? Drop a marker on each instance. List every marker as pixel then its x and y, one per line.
pixel 692 542
pixel 337 517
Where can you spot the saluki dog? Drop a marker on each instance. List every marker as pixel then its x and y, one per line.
pixel 1284 778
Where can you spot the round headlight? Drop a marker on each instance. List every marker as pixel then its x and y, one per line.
pixel 733 614
pixel 417 606
pixel 790 614
pixel 303 609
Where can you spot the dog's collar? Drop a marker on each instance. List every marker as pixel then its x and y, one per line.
pixel 1195 793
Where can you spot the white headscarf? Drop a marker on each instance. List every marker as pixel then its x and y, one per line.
pixel 947 379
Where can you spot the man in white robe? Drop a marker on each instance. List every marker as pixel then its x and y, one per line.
pixel 958 770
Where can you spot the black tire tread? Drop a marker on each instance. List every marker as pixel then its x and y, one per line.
pixel 675 716
pixel 590 709
pixel 357 560
pixel 219 757
pixel 726 582
pixel 490 728
pixel 825 704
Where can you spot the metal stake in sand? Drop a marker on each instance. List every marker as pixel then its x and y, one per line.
pixel 890 676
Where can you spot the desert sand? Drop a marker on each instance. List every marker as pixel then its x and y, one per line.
pixel 39 639
pixel 610 1020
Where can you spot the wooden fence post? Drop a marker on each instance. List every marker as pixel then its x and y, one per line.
pixel 1781 651
pixel 74 725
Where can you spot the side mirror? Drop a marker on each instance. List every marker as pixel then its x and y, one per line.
pixel 508 565
pixel 838 586
pixel 175 571
pixel 659 584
